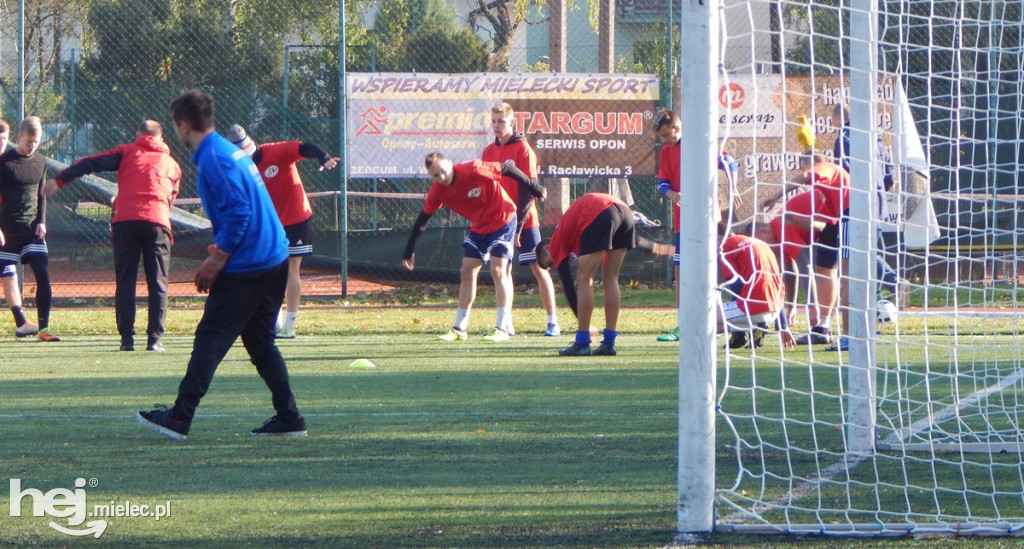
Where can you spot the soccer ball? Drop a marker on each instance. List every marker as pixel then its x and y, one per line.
pixel 886 311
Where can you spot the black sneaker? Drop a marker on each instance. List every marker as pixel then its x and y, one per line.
pixel 817 336
pixel 575 350
pixel 757 335
pixel 276 427
pixel 160 420
pixel 737 340
pixel 127 343
pixel 604 349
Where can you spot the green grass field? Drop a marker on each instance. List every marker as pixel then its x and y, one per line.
pixel 440 445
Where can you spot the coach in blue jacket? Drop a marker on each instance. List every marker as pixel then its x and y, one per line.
pixel 245 274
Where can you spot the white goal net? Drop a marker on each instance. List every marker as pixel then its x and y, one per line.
pixel 917 427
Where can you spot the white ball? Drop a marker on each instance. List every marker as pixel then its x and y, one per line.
pixel 886 311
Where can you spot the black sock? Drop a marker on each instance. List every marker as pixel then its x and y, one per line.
pixel 19 316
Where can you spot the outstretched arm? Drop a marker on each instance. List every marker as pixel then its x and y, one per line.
pixel 787 187
pixel 108 161
pixel 656 248
pixel 509 169
pixel 312 150
pixel 528 190
pixel 409 254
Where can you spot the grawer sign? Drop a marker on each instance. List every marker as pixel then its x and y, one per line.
pixel 581 125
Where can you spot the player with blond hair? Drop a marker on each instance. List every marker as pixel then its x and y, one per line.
pixel 511 146
pixel 23 223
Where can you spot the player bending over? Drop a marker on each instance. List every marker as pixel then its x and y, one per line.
pixel 752 276
pixel 596 230
pixel 474 190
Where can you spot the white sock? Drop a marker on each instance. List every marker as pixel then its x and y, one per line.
pixel 461 319
pixel 289 319
pixel 553 319
pixel 504 319
pixel 826 324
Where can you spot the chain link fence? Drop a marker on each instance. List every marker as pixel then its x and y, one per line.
pixel 94 69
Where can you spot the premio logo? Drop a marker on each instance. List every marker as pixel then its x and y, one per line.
pixel 374 120
pixel 62 503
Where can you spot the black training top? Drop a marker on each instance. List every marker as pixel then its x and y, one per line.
pixel 21 189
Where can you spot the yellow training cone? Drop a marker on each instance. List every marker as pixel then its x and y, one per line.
pixel 361 364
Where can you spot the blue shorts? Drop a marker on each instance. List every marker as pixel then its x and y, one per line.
pixel 528 240
pixel 483 246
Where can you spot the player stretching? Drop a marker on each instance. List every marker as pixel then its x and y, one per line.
pixel 474 191
pixel 753 278
pixel 510 146
pixel 597 230
pixel 277 165
pixel 826 221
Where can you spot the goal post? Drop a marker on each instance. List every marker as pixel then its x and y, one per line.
pixel 860 431
pixel 917 428
pixel 697 233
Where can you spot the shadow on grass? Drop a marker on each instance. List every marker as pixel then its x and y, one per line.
pixel 479 450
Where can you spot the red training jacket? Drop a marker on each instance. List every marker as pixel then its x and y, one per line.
pixel 147 179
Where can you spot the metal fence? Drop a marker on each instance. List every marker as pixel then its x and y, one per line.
pixel 94 69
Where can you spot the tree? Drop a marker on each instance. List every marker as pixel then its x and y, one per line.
pixel 504 16
pixel 437 49
pixel 47 22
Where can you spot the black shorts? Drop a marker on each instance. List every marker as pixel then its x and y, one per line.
pixel 612 229
pixel 826 247
pixel 21 241
pixel 300 238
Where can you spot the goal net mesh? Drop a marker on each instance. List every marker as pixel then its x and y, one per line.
pixel 947 382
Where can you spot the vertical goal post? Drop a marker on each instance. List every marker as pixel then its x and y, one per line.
pixel 697 354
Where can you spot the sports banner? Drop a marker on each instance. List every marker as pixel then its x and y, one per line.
pixel 758 124
pixel 748 106
pixel 580 125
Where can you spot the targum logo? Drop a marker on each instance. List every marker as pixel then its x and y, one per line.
pixel 72 505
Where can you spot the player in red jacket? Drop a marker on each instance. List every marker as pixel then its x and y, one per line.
pixel 596 230
pixel 277 165
pixel 147 183
pixel 511 146
pixel 475 191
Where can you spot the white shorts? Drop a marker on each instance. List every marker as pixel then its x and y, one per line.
pixel 737 320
